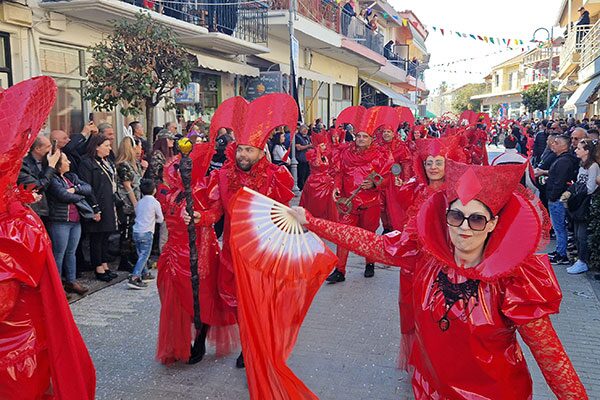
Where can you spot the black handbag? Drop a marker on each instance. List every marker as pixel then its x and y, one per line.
pixel 85 209
pixel 578 204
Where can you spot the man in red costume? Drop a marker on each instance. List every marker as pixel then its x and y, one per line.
pixel 363 169
pixel 42 354
pixel 246 165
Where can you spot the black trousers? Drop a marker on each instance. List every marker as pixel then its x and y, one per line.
pixel 303 172
pixel 99 248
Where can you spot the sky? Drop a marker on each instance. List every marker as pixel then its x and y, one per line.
pixel 496 18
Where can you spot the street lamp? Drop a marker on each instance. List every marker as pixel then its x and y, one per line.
pixel 551 48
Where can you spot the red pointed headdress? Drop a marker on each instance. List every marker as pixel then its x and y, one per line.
pixel 493 186
pixel 448 147
pixel 370 120
pixel 318 138
pixel 252 123
pixel 23 109
pixel 406 115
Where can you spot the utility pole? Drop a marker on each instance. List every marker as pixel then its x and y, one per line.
pixel 294 87
pixel 551 48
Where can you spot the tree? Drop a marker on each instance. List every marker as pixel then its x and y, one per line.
pixel 462 99
pixel 535 97
pixel 136 67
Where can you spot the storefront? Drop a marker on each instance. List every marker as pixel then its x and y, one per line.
pixel 6 77
pixel 205 97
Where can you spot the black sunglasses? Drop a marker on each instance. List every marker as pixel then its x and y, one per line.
pixel 456 218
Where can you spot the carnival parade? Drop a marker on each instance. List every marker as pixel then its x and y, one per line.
pixel 247 200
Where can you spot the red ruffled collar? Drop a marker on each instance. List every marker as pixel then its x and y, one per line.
pixel 515 238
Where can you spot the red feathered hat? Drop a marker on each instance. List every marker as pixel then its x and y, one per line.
pixel 252 123
pixel 469 115
pixel 23 109
pixel 491 185
pixel 318 138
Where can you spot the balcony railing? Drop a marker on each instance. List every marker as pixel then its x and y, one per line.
pixel 540 56
pixel 590 46
pixel 573 45
pixel 327 13
pixel 245 20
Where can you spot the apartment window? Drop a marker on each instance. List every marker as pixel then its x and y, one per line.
pixel 5 61
pixel 496 80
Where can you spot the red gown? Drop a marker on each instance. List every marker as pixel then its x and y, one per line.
pixel 466 319
pixel 317 194
pixel 390 194
pixel 266 178
pixel 41 350
pixel 173 281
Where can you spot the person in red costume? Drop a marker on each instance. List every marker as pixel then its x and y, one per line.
pixel 42 354
pixel 429 164
pixel 246 165
pixel 317 194
pixel 477 282
pixel 363 167
pixel 173 281
pixel 387 138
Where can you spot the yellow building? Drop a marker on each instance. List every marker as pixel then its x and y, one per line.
pixel 505 83
pixel 579 70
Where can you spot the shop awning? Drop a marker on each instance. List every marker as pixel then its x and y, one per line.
pixel 308 74
pixel 219 64
pixel 396 97
pixel 579 100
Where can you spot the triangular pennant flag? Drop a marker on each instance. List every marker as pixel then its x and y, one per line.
pixel 504 40
pixel 485 38
pixel 479 37
pixel 442 30
pixel 473 36
pixel 492 40
pixel 405 23
pixel 459 35
pixel 464 35
pixel 508 43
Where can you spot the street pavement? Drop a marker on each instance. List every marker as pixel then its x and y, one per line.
pixel 347 347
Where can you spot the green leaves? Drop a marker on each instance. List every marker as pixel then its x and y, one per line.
pixel 535 97
pixel 462 98
pixel 140 63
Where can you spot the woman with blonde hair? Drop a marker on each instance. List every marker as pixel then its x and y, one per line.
pixel 130 169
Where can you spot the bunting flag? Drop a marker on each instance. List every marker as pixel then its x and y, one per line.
pixel 482 38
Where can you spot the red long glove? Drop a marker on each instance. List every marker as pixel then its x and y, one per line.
pixel 552 359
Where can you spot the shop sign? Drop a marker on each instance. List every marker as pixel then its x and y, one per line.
pixel 189 95
pixel 267 82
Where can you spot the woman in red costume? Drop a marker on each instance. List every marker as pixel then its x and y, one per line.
pixel 317 194
pixel 42 354
pixel 429 164
pixel 174 284
pixel 477 281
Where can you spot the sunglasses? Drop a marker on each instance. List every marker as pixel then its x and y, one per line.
pixel 456 218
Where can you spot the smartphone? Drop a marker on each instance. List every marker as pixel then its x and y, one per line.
pixel 91 117
pixel 53 146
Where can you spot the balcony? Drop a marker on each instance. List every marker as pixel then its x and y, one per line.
pixel 324 26
pixel 590 46
pixel 570 55
pixel 224 26
pixel 538 58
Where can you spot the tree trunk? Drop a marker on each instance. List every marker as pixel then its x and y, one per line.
pixel 149 122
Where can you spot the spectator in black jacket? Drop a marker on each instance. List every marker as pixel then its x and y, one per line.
pixel 540 143
pixel 65 190
pixel 563 171
pixel 98 170
pixel 37 171
pixel 77 145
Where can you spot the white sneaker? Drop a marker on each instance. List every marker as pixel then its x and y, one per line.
pixel 578 268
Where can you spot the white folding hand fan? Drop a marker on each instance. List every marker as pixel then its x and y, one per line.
pixel 267 234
